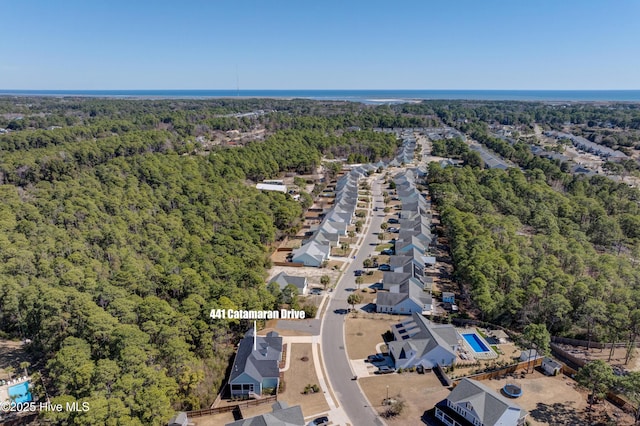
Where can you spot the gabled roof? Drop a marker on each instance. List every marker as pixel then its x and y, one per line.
pixel 406 234
pixel 444 335
pixel 488 405
pixel 407 245
pixel 390 299
pixel 314 249
pixel 280 416
pixel 261 363
pixel 423 336
pixel 283 279
pixel 397 261
pixel 391 278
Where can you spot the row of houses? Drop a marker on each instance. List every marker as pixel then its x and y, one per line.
pixel 408 284
pixel 584 144
pixel 336 221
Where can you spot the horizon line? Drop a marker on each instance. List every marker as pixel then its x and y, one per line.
pixel 324 90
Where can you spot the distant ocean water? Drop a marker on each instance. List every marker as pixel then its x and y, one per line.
pixel 368 96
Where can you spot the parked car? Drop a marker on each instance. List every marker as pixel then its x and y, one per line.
pixel 358 272
pixel 320 421
pixel 315 291
pixel 375 358
pixel 384 267
pixel 393 230
pixel 384 369
pixel 393 220
pixel 388 252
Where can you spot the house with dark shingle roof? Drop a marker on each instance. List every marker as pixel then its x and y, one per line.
pixel 255 370
pixel 473 403
pixel 419 341
pixel 281 415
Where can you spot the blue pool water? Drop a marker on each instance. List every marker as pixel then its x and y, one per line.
pixel 20 393
pixel 476 344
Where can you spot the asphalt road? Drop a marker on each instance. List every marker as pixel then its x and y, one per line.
pixel 333 350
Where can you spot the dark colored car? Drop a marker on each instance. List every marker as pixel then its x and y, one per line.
pixel 388 252
pixel 359 272
pixel 321 421
pixel 315 291
pixel 393 220
pixel 384 267
pixel 375 358
pixel 385 370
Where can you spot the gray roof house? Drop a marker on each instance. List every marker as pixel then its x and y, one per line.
pixel 281 415
pixel 311 254
pixel 406 246
pixel 473 403
pixel 393 279
pixel 404 298
pixel 253 371
pixel 419 341
pixel 399 263
pixel 282 279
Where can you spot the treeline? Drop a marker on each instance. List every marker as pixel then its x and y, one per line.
pixel 456 148
pixel 527 254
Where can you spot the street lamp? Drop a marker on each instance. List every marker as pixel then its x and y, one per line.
pixel 387 394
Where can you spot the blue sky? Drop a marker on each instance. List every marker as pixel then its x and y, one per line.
pixel 422 44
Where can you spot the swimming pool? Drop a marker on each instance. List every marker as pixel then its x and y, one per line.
pixel 476 343
pixel 20 393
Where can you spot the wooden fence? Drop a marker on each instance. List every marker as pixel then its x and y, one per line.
pixel 228 408
pixel 502 372
pixel 292 264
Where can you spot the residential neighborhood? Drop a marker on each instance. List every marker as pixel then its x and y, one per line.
pixel 395 276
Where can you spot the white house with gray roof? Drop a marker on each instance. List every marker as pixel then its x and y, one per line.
pixel 419 341
pixel 311 254
pixel 283 279
pixel 255 370
pixel 473 403
pixel 406 295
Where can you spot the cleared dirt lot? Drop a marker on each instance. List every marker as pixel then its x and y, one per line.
pixel 556 401
pixel 419 392
pixel 300 374
pixel 617 360
pixel 11 355
pixel 364 331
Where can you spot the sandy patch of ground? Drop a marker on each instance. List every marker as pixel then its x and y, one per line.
pixel 419 392
pixel 11 355
pixel 300 374
pixel 617 360
pixel 557 401
pixel 213 420
pixel 364 331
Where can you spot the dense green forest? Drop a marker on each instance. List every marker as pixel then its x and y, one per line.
pixel 118 235
pixel 530 253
